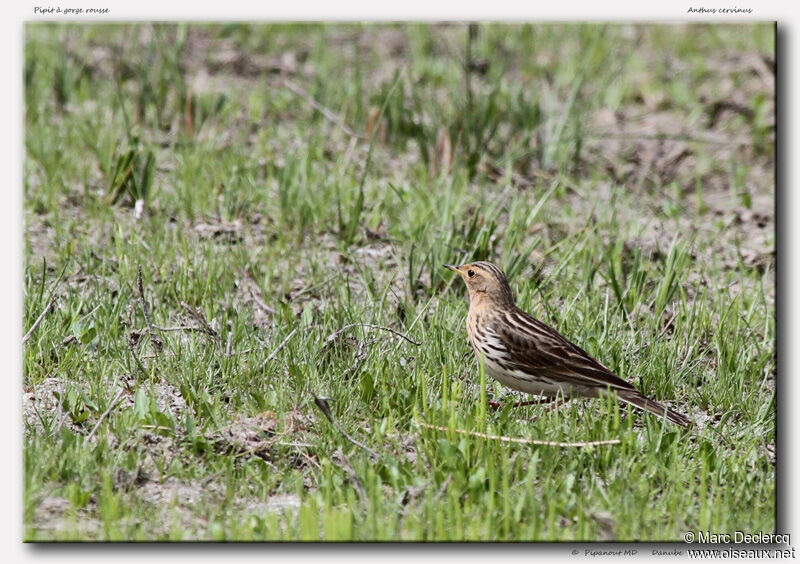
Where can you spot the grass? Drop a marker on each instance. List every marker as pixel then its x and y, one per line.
pixel 262 229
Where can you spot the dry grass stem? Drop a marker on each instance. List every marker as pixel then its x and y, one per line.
pixel 328 114
pixel 323 406
pixel 105 414
pixel 519 440
pixel 335 335
pixel 39 319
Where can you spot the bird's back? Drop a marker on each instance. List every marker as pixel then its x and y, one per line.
pixel 535 346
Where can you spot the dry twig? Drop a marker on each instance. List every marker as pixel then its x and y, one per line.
pixel 661 333
pixel 328 114
pixel 323 406
pixel 229 345
pixel 342 462
pixel 145 307
pixel 277 349
pixel 106 413
pixel 136 358
pixel 519 440
pixel 50 302
pixel 200 317
pixel 157 344
pixel 260 302
pixel 335 335
pixel 361 356
pixel 180 328
pixel 39 319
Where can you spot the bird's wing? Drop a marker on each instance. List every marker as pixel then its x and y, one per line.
pixel 534 346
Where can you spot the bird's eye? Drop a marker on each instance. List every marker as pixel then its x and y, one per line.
pixel 470 273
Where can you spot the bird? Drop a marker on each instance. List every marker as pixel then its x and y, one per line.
pixel 527 355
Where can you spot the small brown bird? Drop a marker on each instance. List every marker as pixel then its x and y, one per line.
pixel 524 354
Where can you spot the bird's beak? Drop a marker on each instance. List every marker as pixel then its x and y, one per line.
pixel 451 267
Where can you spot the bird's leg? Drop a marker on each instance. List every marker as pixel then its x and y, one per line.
pixel 540 401
pixel 560 401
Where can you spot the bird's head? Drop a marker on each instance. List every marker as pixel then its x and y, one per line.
pixel 484 280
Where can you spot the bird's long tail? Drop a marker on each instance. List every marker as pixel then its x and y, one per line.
pixel 635 398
